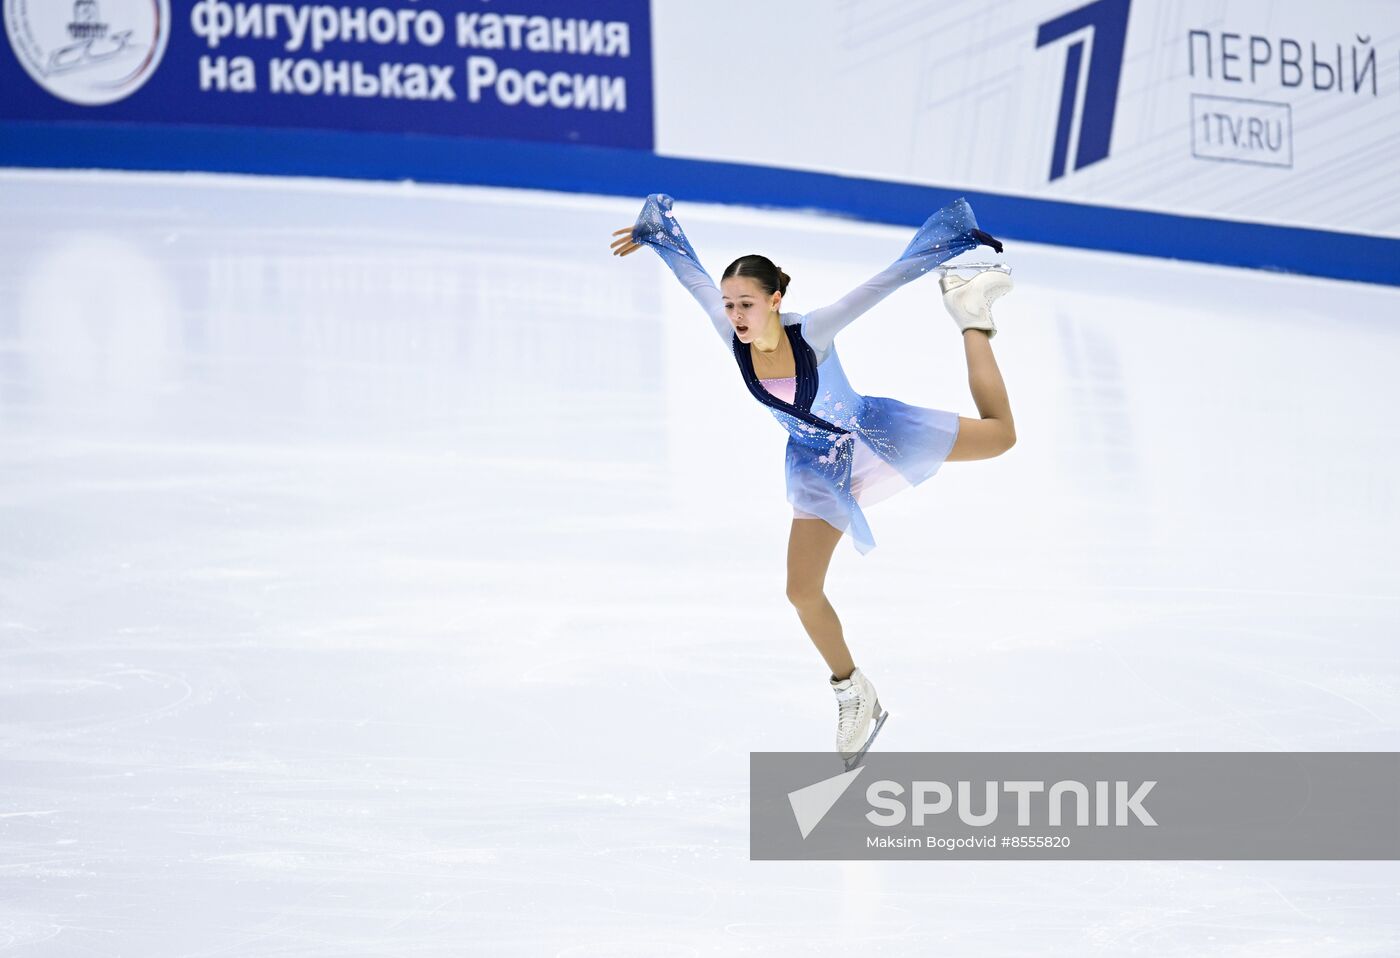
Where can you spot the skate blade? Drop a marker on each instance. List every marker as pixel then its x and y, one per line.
pixel 870 740
pixel 979 267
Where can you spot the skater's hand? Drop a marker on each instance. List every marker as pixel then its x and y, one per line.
pixel 625 245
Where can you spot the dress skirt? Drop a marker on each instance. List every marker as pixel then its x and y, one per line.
pixel 891 446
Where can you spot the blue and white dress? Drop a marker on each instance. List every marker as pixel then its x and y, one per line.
pixel 844 450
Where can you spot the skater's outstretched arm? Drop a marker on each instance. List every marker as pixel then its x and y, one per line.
pixel 947 233
pixel 658 228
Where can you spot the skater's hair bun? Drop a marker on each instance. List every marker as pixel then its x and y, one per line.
pixel 761 268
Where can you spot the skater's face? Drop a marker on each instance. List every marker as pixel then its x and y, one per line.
pixel 748 307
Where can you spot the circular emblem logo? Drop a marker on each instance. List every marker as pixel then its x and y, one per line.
pixel 87 52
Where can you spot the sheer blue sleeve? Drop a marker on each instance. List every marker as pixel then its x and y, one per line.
pixel 658 228
pixel 947 233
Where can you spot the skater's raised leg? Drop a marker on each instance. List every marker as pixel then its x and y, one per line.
pixel 810 545
pixel 995 432
pixel 969 302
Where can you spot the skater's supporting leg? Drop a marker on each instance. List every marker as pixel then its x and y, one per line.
pixel 995 432
pixel 810 546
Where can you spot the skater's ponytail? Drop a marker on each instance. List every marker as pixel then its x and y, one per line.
pixel 761 269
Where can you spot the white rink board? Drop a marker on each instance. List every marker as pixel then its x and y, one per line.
pixel 958 95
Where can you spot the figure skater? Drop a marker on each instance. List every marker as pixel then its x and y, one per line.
pixel 844 450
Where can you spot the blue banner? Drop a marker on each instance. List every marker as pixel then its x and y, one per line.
pixel 562 71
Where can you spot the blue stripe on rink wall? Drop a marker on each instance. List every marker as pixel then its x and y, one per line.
pixel 586 169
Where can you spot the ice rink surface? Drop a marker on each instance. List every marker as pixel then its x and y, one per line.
pixel 387 570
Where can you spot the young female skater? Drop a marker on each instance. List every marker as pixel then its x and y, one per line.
pixel 844 449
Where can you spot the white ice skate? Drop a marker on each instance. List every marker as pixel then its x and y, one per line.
pixel 859 716
pixel 969 301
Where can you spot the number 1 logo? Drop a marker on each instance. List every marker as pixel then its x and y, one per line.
pixel 1107 23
